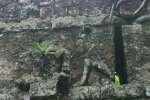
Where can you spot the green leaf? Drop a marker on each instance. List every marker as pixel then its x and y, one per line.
pixel 41 47
pixel 117 84
pixel 44 46
pixel 36 47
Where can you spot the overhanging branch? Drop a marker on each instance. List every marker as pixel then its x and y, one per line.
pixel 140 7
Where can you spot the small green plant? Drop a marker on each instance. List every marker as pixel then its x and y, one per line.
pixel 40 55
pixel 117 84
pixel 41 48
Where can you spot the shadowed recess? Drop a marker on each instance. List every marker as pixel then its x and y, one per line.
pixel 120 61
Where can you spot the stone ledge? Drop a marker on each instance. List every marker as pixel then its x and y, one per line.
pixel 132 91
pixel 60 22
pixel 136 28
pixel 78 21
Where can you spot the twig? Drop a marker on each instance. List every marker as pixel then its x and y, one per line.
pixel 140 7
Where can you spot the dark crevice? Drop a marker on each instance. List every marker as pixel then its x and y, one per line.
pixel 43 98
pixel 23 86
pixel 120 61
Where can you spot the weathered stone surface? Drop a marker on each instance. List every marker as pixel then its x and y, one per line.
pixel 6 69
pixel 127 91
pixel 6 86
pixel 147 91
pixel 36 24
pixel 136 44
pixel 68 38
pixel 26 24
pixel 16 48
pixel 128 7
pixel 134 90
pixel 78 21
pixel 44 87
pixel 61 22
pixel 56 8
pixel 143 19
pixel 8 89
pixel 49 8
pixel 6 97
pixel 92 92
pixel 64 28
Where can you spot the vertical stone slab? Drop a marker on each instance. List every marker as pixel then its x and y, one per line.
pixel 137 51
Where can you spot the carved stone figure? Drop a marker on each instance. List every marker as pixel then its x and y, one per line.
pixel 90 61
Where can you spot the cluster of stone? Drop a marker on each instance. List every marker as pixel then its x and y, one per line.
pixel 17 10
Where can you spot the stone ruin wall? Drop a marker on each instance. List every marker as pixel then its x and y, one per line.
pixel 16 42
pixel 16 45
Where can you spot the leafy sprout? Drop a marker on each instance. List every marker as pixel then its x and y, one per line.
pixel 117 84
pixel 41 48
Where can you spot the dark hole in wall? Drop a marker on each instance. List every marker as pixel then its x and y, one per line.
pixel 43 98
pixel 120 61
pixel 23 86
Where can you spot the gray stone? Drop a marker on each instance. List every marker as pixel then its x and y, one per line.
pixel 137 52
pixel 44 87
pixel 7 97
pixel 52 8
pixel 128 7
pixel 77 21
pixel 63 28
pixel 92 92
pixel 63 8
pixel 147 91
pixel 143 19
pixel 134 90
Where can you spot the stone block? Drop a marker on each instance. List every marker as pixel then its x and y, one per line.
pixel 43 88
pixel 147 91
pixel 137 54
